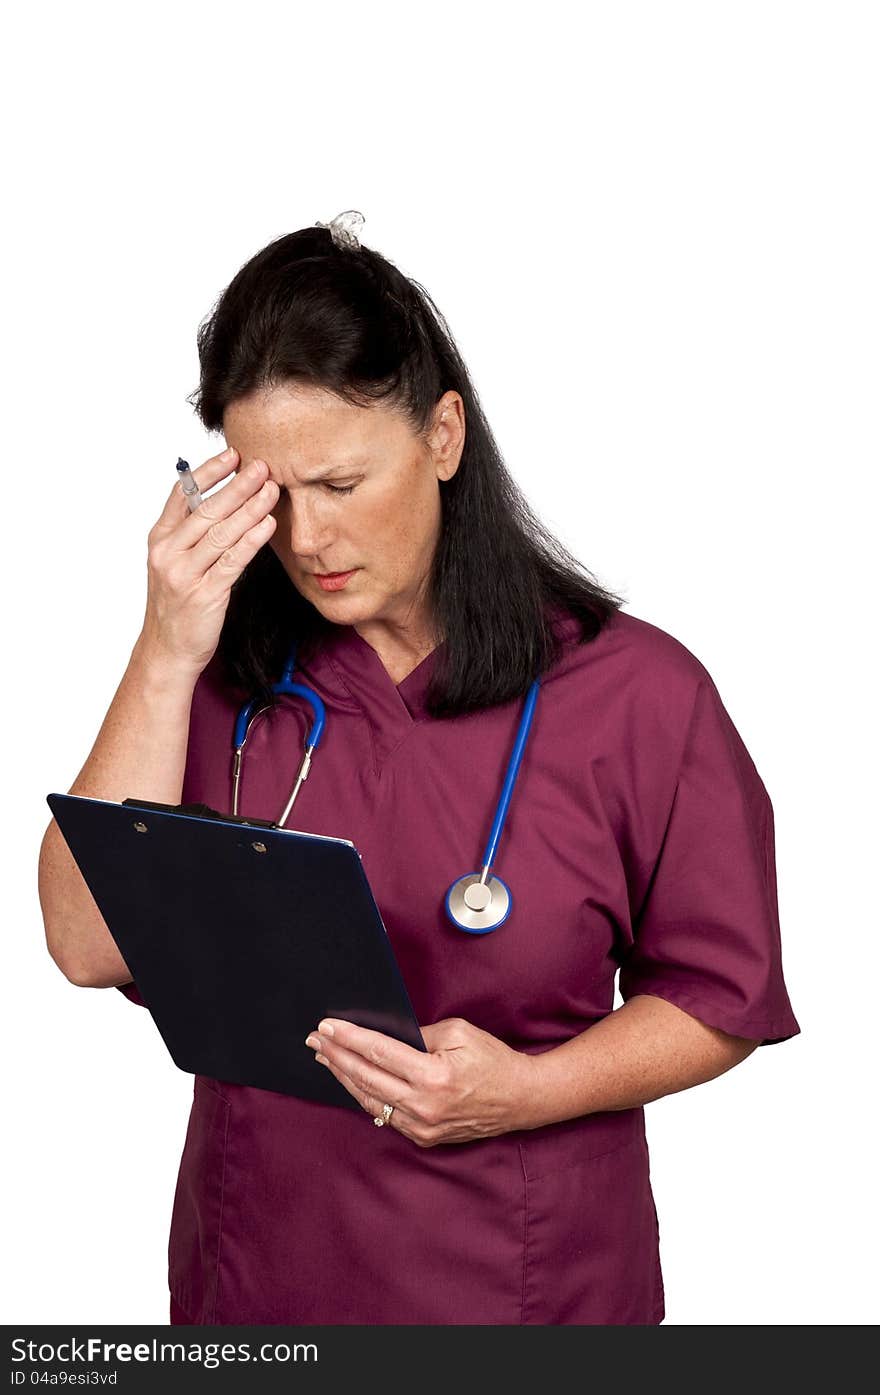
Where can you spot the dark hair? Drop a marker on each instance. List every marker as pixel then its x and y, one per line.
pixel 347 320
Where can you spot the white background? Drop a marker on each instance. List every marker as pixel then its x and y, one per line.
pixel 653 229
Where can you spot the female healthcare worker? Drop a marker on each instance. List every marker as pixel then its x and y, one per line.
pixel 369 522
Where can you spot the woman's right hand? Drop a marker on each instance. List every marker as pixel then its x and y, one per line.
pixel 194 558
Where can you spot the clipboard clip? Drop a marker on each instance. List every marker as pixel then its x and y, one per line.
pixel 200 811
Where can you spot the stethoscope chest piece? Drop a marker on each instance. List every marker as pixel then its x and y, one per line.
pixel 477 906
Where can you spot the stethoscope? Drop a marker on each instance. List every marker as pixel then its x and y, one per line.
pixel 477 902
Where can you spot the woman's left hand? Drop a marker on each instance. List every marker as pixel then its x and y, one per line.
pixel 468 1085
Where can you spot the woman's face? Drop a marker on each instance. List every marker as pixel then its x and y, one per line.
pixel 359 491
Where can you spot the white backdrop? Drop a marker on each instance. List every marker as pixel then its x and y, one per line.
pixel 653 230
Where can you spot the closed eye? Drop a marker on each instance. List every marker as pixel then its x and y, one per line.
pixel 334 488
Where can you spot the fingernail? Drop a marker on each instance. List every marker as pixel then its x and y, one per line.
pixel 228 453
pixel 313 1041
pixel 322 1060
pixel 326 1028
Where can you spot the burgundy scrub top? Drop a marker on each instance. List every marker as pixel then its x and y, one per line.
pixel 640 837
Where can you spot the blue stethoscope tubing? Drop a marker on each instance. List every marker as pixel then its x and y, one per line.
pixel 243 721
pixel 476 903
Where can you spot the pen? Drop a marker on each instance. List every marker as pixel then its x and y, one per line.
pixel 188 485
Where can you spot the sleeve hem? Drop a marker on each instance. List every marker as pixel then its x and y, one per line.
pixel 767 1031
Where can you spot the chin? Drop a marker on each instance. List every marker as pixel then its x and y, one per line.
pixel 337 605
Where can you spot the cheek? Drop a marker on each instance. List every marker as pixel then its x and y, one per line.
pixel 406 513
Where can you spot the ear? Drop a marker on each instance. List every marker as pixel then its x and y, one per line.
pixel 448 434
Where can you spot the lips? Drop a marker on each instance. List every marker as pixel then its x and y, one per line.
pixel 333 581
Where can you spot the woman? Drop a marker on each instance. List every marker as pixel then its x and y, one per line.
pixel 509 1183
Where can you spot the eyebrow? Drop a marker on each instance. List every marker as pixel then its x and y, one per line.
pixel 334 471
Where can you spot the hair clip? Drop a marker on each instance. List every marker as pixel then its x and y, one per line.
pixel 344 228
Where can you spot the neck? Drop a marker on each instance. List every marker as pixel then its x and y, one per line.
pixel 401 648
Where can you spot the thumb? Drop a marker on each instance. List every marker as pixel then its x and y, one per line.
pixel 448 1032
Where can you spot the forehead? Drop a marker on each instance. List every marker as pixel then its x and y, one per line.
pixel 300 430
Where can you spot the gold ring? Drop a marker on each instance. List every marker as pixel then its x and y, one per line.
pixel 380 1119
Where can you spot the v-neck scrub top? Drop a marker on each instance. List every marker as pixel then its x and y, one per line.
pixel 639 838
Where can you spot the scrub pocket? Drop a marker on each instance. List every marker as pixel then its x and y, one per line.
pixel 197 1213
pixel 591 1235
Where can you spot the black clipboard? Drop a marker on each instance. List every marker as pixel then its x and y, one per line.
pixel 240 936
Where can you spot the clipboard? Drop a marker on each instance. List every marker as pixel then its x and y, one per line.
pixel 240 936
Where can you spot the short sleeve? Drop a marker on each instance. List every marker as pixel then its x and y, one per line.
pixel 706 936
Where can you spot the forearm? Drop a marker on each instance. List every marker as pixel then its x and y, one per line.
pixel 140 752
pixel 646 1049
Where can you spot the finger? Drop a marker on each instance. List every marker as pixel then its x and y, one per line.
pixel 233 560
pixel 206 475
pixel 371 1104
pixel 387 1053
pixel 243 485
pixel 448 1033
pixel 370 1080
pixel 230 529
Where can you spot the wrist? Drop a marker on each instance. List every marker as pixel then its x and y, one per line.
pixel 545 1093
pixel 532 1090
pixel 159 672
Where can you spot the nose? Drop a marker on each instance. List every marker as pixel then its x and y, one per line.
pixel 310 533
